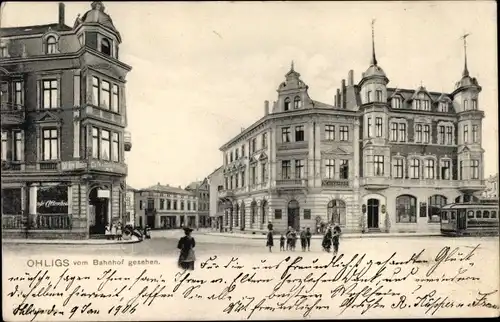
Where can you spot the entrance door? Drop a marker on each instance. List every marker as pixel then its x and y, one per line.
pixel 461 220
pixel 373 208
pixel 150 221
pixel 294 215
pixel 99 210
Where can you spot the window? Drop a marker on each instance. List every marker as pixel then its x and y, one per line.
pixel 264 140
pixel 369 97
pixel 18 94
pixel 95 143
pixel 461 173
pixel 188 205
pixel 174 204
pixel 474 104
pixel 307 214
pixel 242 151
pixel 369 127
pixel 415 169
pixel 466 105
pixel 95 91
pixel 427 136
pixel 330 132
pixel 443 107
pixel 474 134
pixel 287 104
pixel 429 169
pixel 299 133
pixel 236 181
pixel 105 47
pixel 406 209
pixel 299 169
pixel 4 51
pixel 285 134
pixel 378 163
pixel 162 204
pixel 344 133
pixel 449 135
pixel 50 94
pixel 297 103
pixel 5 144
pixel 344 169
pixel 231 181
pixel 242 178
pixel 277 213
pixel 475 169
pixel 427 106
pixel 115 100
pixel 397 170
pixel 445 169
pixel 105 145
pixel 436 202
pixel 11 201
pixel 5 93
pixel 264 172
pixel 402 132
pixel 50 144
pixel 285 169
pixel 330 168
pixel 18 146
pixel 396 102
pixel 105 94
pixel 379 95
pixel 169 204
pixel 394 132
pixel 418 104
pixel 466 133
pixel 254 145
pixel 51 45
pixel 253 176
pixel 236 154
pixel 418 136
pixel 115 148
pixel 182 204
pixel 378 126
pixel 441 135
pixel 336 212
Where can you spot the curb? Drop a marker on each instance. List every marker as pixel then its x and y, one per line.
pixel 379 235
pixel 64 242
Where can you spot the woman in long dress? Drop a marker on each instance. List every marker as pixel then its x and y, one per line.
pixel 186 246
pixel 270 240
pixel 327 240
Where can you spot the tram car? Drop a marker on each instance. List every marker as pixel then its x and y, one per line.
pixel 470 219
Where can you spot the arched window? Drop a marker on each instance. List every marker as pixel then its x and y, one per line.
pixel 286 107
pixel 263 212
pixel 253 212
pixel 51 45
pixel 336 212
pixel 237 215
pixel 406 209
pixel 105 47
pixel 436 202
pixel 297 103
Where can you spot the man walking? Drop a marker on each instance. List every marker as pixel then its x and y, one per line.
pixel 303 240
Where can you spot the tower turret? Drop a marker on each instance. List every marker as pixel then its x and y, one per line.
pixel 292 93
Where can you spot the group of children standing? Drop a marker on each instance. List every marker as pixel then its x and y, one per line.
pixel 114 230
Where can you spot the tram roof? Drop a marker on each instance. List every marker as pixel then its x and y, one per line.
pixel 476 205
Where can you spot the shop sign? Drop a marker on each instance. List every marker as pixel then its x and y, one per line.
pixel 72 165
pixel 107 166
pixel 52 200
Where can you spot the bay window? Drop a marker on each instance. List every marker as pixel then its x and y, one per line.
pixel 105 145
pixel 378 165
pixel 115 147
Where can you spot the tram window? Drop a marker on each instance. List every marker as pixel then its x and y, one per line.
pixel 478 214
pixel 453 215
pixel 486 214
pixel 470 214
pixel 493 214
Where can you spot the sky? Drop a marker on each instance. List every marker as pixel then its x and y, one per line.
pixel 202 70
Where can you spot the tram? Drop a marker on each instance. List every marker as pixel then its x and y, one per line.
pixel 470 219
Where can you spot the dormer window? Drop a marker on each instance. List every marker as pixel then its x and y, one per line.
pixel 105 47
pixel 426 106
pixel 286 107
pixel 443 107
pixel 297 103
pixel 474 104
pixel 379 95
pixel 396 102
pixel 51 45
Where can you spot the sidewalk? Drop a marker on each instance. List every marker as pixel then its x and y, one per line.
pixel 344 235
pixel 69 241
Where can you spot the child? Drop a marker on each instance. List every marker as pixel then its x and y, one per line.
pixel 282 243
pixel 113 231
pixel 107 231
pixel 308 239
pixel 270 241
pixel 119 231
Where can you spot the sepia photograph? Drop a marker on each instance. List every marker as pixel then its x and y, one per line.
pixel 249 160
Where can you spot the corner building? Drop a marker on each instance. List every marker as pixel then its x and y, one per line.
pixel 377 159
pixel 64 116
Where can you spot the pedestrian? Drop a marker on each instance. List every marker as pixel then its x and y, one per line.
pixel 186 246
pixel 308 239
pixel 270 225
pixel 294 239
pixel 113 231
pixel 335 239
pixel 288 238
pixel 282 243
pixel 303 241
pixel 327 240
pixel 119 231
pixel 107 231
pixel 270 241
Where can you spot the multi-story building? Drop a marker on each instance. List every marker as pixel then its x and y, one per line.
pixel 129 217
pixel 202 190
pixel 377 159
pixel 163 206
pixel 491 191
pixel 216 184
pixel 63 118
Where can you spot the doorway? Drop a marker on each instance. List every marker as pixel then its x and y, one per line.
pixel 461 220
pixel 373 209
pixel 150 220
pixel 294 215
pixel 98 213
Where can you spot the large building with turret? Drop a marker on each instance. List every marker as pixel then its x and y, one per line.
pixel 64 119
pixel 376 159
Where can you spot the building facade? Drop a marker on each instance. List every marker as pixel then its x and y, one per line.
pixel 63 119
pixel 491 191
pixel 202 190
pixel 216 184
pixel 165 207
pixel 377 159
pixel 129 217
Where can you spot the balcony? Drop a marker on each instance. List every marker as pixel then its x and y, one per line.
pixel 293 146
pixel 424 183
pixel 107 166
pixel 127 141
pixel 375 183
pixel 49 165
pixel 12 114
pixel 8 165
pixel 291 183
pixel 472 185
pixel 336 183
pixel 37 222
pixel 226 194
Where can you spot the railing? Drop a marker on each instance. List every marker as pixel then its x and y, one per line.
pixel 37 222
pixel 340 183
pixel 291 183
pixel 49 165
pixel 8 165
pixel 13 222
pixel 293 145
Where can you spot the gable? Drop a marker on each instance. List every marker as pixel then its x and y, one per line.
pixel 336 150
pixel 262 156
pixel 48 117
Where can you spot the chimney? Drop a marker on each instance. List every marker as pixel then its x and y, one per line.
pixel 350 78
pixel 61 13
pixel 266 107
pixel 342 95
pixel 335 100
pixel 338 98
pixel 158 183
